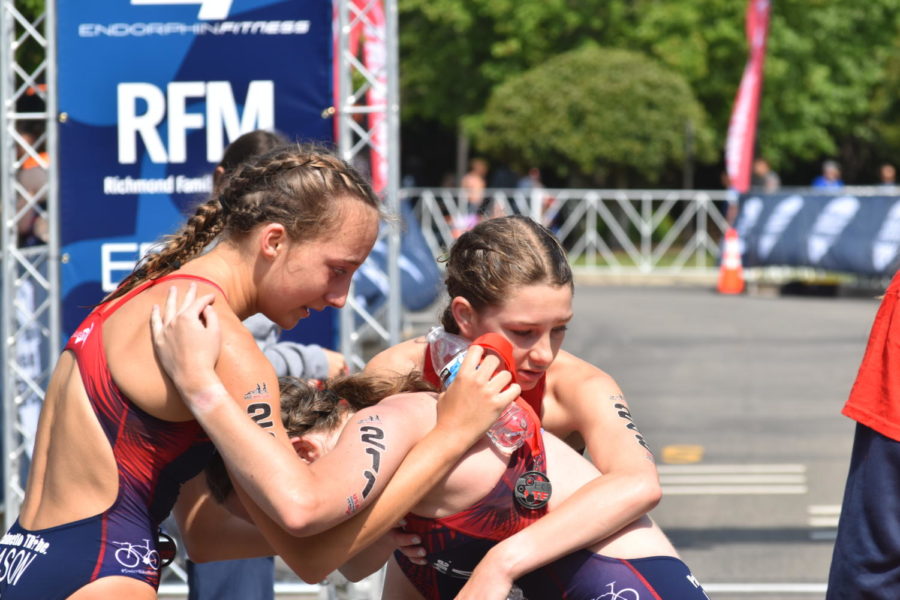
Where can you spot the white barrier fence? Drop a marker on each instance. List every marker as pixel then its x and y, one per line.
pixel 622 231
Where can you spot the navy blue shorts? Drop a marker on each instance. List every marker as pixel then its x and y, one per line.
pixel 866 559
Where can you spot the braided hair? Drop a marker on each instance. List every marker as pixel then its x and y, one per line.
pixel 497 255
pixel 321 405
pixel 294 185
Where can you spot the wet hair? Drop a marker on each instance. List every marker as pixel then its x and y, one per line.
pixel 294 185
pixel 487 261
pixel 321 405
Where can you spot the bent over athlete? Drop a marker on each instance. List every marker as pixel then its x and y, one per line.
pixel 115 440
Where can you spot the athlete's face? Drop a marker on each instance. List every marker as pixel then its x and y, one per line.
pixel 314 274
pixel 534 319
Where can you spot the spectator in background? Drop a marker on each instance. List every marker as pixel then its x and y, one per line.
pixel 830 177
pixel 888 175
pixel 472 204
pixel 531 181
pixel 474 183
pixel 33 161
pixel 731 199
pixel 763 178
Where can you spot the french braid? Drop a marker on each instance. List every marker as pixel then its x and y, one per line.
pixel 293 185
pixel 497 255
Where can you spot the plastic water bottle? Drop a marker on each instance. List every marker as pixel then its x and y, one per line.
pixel 447 353
pixel 448 350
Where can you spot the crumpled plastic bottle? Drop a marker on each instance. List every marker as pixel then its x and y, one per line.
pixel 509 431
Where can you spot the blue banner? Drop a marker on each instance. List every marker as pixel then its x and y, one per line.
pixel 836 232
pixel 150 93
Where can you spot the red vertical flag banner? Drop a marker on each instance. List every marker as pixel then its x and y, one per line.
pixel 371 28
pixel 742 127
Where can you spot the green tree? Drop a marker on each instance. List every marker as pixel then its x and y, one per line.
pixel 826 59
pixel 607 114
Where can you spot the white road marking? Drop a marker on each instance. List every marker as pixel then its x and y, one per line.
pixel 824 519
pixel 766 588
pixel 751 479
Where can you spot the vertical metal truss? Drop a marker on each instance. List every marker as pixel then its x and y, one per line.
pixel 30 324
pixel 358 326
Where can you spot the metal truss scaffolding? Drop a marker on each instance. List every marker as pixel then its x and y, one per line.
pixel 30 320
pixel 356 136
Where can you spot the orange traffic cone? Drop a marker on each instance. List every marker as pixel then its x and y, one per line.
pixel 731 273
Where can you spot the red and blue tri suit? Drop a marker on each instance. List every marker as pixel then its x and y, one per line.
pixel 456 544
pixel 153 457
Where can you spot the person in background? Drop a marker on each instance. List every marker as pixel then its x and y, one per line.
pixel 887 176
pixel 116 443
pixel 866 560
pixel 830 177
pixel 475 205
pixel 531 180
pixel 763 178
pixel 474 183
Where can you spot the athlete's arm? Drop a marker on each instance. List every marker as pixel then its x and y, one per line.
pixel 627 490
pixel 367 454
pixel 464 413
pixel 242 384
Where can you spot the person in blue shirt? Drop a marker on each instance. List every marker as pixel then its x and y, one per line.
pixel 830 177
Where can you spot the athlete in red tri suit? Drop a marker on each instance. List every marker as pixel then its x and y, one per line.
pixel 282 236
pixel 153 458
pixel 457 542
pixel 510 276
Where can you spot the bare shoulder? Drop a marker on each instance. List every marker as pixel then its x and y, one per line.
pixel 414 407
pixel 399 359
pixel 406 416
pixel 570 375
pixel 240 359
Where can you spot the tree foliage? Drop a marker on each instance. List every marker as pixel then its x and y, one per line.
pixel 597 112
pixel 831 71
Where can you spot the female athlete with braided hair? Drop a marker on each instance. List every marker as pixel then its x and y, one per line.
pixel 510 276
pixel 115 440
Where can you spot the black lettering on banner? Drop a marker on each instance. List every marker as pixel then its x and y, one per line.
pixel 626 414
pixel 261 413
pixel 369 434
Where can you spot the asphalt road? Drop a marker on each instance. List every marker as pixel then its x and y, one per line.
pixel 740 398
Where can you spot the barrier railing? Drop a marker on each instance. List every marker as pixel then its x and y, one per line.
pixel 622 231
